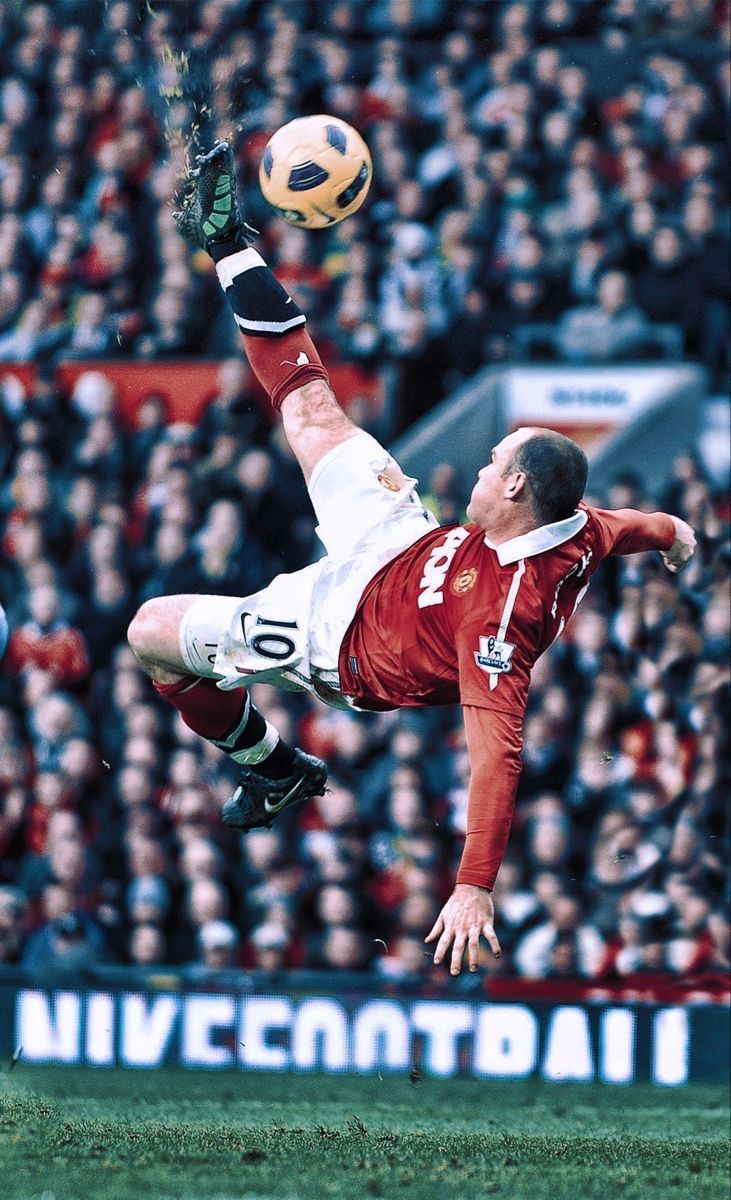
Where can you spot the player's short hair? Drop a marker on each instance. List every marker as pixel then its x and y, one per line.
pixel 556 469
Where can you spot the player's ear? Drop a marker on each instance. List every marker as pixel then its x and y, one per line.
pixel 516 484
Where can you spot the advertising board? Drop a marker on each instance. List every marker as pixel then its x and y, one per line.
pixel 613 1043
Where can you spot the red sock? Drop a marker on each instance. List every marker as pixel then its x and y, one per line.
pixel 204 708
pixel 284 363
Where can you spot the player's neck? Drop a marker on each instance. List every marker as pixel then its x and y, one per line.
pixel 507 526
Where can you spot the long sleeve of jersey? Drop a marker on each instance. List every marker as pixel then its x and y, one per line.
pixel 494 726
pixel 628 531
pixel 494 741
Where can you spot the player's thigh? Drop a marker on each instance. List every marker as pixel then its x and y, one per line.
pixel 363 500
pixel 262 637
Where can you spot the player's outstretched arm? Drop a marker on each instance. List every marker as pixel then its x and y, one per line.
pixel 629 531
pixel 494 742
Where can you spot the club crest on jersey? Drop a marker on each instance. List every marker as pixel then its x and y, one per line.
pixel 465 581
pixel 494 656
pixel 392 477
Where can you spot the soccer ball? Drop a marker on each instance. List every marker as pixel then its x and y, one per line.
pixel 315 171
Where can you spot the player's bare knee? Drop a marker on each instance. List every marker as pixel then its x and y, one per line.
pixel 151 629
pixel 154 636
pixel 313 406
pixel 144 629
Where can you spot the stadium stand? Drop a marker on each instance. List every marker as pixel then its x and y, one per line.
pixel 539 191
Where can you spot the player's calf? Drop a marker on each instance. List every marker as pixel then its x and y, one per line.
pixel 314 423
pixel 284 358
pixel 278 347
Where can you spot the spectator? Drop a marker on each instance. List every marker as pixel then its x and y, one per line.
pixel 613 330
pixel 37 334
pixel 147 947
pixel 405 963
pixel 148 900
pixel 563 944
pixel 509 188
pixel 170 335
pixel 344 949
pixel 669 288
pixel 93 334
pixel 64 950
pixel 48 642
pixel 219 948
pixel 270 946
pixel 13 923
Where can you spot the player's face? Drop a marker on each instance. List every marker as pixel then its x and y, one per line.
pixel 492 491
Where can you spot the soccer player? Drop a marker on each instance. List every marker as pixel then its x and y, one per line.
pixel 399 611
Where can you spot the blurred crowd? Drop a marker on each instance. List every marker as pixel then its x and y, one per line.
pixel 547 174
pixel 110 846
pixel 550 178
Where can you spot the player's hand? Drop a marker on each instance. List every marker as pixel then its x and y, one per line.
pixel 468 914
pixel 682 548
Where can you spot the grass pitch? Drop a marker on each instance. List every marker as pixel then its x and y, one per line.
pixel 85 1135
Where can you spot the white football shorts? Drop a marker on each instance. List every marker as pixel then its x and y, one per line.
pixel 290 632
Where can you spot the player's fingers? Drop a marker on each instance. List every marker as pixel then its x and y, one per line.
pixel 436 929
pixel 491 936
pixel 473 949
pixel 457 954
pixel 443 945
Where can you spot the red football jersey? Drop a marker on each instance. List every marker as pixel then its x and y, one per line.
pixel 454 619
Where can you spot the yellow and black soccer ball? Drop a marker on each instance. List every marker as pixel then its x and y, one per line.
pixel 316 171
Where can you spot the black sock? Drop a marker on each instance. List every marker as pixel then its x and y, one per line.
pixel 261 306
pixel 278 765
pixel 219 248
pixel 250 730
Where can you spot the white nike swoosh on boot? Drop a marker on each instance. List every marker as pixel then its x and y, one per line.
pixel 275 808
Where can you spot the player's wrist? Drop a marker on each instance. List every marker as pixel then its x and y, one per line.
pixel 463 887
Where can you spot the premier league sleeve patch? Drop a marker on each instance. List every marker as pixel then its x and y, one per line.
pixel 494 656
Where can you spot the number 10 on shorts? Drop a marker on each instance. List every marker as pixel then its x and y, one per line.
pixel 270 643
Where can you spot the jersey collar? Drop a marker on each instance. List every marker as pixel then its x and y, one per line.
pixel 545 537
